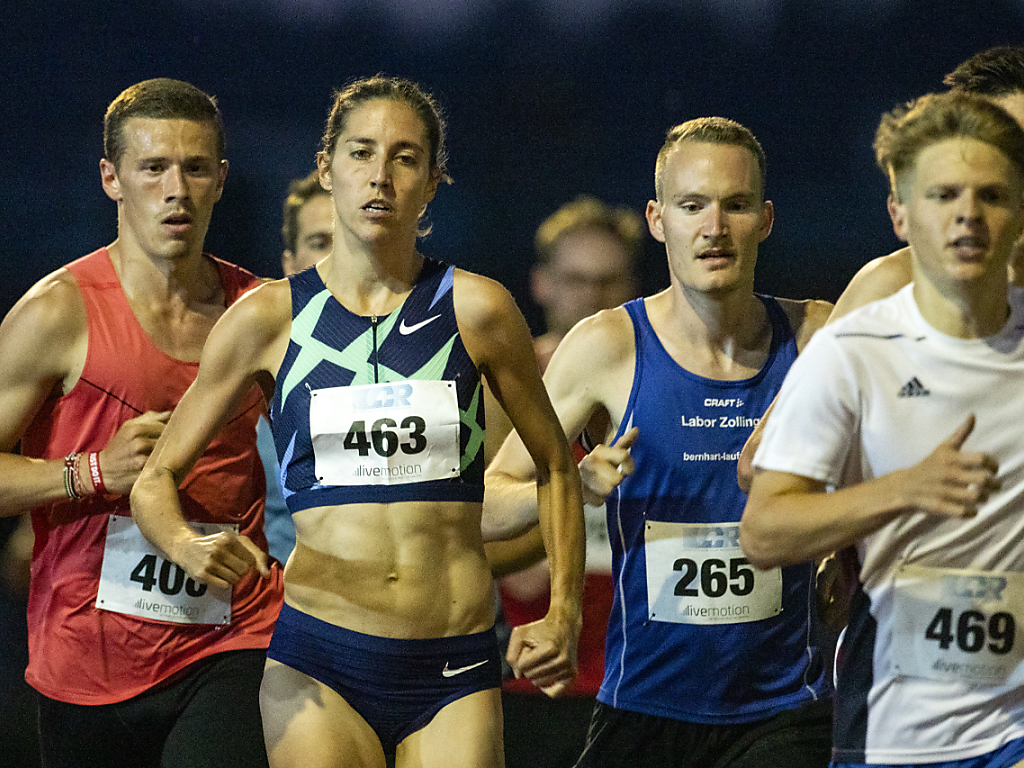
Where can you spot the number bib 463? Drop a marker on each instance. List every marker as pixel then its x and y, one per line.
pixel 697 574
pixel 137 580
pixel 960 625
pixel 383 434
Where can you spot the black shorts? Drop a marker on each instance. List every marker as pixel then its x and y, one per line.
pixel 207 717
pixel 796 738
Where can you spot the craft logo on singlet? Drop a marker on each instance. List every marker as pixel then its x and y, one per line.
pixel 715 402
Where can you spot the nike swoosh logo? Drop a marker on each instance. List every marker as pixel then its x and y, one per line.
pixel 459 670
pixel 405 330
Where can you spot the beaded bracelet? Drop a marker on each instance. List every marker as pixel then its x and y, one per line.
pixel 72 482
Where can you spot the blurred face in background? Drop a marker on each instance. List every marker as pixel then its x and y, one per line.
pixel 315 236
pixel 590 270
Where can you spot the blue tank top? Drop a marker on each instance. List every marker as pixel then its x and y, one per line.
pixel 691 431
pixel 331 347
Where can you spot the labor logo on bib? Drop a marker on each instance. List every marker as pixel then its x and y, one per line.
pixel 137 580
pixel 385 434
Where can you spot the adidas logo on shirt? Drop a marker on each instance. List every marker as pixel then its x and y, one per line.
pixel 913 388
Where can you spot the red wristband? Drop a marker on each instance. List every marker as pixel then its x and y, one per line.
pixel 95 475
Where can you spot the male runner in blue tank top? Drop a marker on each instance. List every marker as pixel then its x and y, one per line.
pixel 708 663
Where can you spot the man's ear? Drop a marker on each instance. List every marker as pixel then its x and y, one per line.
pixel 222 175
pixel 767 220
pixel 898 214
pixel 653 215
pixel 108 178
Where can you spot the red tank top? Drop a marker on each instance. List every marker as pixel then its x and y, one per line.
pixel 77 652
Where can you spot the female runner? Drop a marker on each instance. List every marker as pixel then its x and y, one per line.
pixel 372 364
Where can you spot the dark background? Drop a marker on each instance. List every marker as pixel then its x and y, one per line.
pixel 545 100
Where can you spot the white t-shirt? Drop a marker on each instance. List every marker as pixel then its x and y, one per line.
pixel 929 669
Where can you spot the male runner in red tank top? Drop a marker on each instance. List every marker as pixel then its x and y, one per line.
pixel 136 664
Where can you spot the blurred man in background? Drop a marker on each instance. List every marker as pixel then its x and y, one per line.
pixel 587 256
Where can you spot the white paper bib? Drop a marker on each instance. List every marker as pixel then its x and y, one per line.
pixel 137 580
pixel 697 574
pixel 960 625
pixel 385 434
